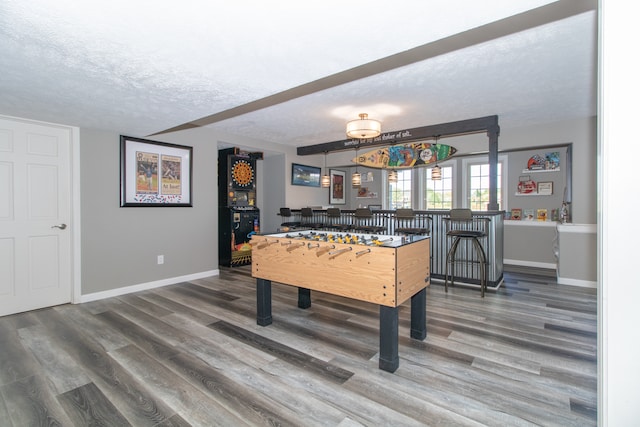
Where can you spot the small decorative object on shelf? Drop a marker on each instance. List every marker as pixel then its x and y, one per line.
pixel 516 214
pixel 528 214
pixel 564 213
pixel 542 214
pixel 526 185
pixel 536 162
pixel 550 162
pixel 555 215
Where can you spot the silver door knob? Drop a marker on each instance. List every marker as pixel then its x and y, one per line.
pixel 60 226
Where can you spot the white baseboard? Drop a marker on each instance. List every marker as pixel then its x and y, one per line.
pixel 577 282
pixel 548 265
pixel 145 286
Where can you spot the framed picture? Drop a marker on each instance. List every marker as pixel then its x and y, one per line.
pixel 545 188
pixel 337 188
pixel 308 176
pixel 154 173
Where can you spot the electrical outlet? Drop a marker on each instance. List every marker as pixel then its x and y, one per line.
pixel 160 259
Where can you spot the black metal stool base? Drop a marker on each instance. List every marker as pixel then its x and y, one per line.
pixel 451 260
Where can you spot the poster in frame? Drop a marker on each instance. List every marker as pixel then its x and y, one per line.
pixel 154 174
pixel 337 188
pixel 308 176
pixel 545 188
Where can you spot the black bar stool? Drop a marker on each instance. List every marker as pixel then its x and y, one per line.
pixel 334 217
pixel 286 215
pixel 364 222
pixel 405 223
pixel 462 226
pixel 307 220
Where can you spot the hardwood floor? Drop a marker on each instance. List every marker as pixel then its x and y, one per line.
pixel 192 354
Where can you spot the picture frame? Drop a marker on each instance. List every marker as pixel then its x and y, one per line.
pixel 545 188
pixel 308 176
pixel 337 188
pixel 155 174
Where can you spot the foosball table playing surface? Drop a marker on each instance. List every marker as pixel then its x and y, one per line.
pixel 380 269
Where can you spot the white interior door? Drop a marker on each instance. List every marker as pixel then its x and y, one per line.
pixel 35 215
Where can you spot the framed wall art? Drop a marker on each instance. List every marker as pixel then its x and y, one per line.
pixel 337 188
pixel 545 188
pixel 154 173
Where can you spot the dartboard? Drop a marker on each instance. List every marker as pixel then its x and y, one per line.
pixel 242 173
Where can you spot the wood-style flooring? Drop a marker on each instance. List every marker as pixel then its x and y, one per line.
pixel 191 354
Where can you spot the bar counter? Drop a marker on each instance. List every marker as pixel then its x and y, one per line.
pixel 465 274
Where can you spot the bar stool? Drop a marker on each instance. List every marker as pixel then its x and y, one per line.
pixel 461 226
pixel 306 216
pixel 333 220
pixel 364 222
pixel 405 223
pixel 285 213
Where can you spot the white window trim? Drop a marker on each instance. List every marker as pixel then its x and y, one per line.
pixel 454 193
pixel 478 160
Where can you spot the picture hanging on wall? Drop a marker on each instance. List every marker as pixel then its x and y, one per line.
pixel 337 188
pixel 154 173
pixel 545 188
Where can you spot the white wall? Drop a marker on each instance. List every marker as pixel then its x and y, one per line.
pixel 619 293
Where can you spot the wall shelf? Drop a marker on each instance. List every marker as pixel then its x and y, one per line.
pixel 540 170
pixel 531 195
pixel 530 223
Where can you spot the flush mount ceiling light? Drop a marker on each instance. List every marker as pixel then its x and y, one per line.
pixel 364 127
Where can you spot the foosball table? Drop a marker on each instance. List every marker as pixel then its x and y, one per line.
pixel 380 269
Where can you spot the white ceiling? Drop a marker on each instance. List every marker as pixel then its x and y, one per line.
pixel 294 72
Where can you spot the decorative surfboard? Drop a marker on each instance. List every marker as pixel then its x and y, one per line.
pixel 405 155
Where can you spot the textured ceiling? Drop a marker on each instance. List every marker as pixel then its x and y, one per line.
pixel 291 72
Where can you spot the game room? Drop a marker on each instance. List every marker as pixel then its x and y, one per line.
pixel 329 214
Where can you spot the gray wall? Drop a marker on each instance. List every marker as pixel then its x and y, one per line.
pixel 120 245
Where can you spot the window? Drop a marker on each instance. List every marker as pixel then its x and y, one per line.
pixel 400 191
pixel 438 194
pixel 478 185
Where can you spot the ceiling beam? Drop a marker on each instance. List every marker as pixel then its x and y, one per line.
pixel 487 124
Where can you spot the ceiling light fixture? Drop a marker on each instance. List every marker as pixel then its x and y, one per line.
pixel 364 127
pixel 436 172
pixel 356 178
pixel 326 179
